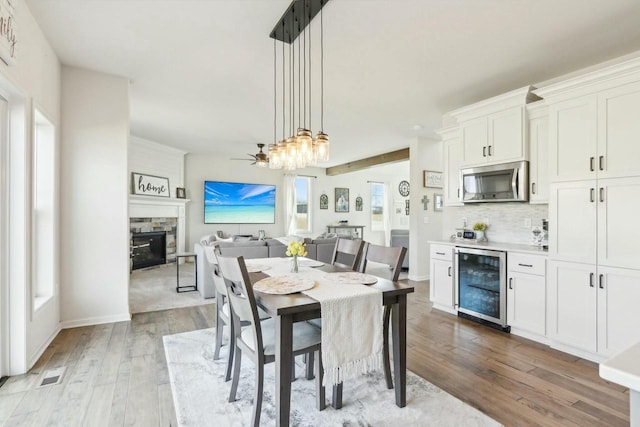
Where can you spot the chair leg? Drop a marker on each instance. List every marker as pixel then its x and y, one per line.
pixel 336 402
pixel 236 375
pixel 219 332
pixel 232 348
pixel 293 369
pixel 385 346
pixel 257 400
pixel 321 400
pixel 309 366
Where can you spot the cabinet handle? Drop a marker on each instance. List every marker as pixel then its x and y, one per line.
pixel 601 161
pixel 484 151
pixel 591 280
pixel 490 151
pixel 449 271
pixel 440 253
pixel 458 193
pixel 525 265
pixel 591 163
pixel 602 194
pixel 592 192
pixel 600 283
pixel 510 282
pixel 533 188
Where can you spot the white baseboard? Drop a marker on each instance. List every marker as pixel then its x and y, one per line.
pixel 417 278
pixel 89 321
pixel 40 350
pixel 577 352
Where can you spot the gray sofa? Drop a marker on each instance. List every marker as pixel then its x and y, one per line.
pixel 318 249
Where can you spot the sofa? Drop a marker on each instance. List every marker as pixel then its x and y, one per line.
pixel 320 249
pixel 401 238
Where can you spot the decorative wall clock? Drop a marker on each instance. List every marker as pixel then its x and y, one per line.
pixel 403 188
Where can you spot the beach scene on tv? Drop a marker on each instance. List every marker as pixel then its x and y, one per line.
pixel 236 203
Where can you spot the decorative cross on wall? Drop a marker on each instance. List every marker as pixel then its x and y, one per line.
pixel 425 201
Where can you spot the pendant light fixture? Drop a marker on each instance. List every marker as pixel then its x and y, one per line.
pixel 300 149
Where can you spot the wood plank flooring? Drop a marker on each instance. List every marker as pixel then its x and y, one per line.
pixel 117 375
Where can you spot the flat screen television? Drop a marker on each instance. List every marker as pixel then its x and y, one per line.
pixel 239 203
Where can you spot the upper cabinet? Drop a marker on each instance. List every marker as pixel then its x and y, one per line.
pixel 538 153
pixel 452 149
pixel 494 131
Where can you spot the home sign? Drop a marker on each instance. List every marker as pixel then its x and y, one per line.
pixel 149 185
pixel 8 38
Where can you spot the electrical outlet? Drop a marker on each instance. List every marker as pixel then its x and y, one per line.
pixel 527 223
pixel 426 219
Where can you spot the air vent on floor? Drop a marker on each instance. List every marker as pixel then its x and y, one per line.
pixel 52 376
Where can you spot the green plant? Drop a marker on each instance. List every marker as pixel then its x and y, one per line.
pixel 479 226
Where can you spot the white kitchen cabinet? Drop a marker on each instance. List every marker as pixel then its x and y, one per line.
pixel 572 139
pixel 526 294
pixel 452 149
pixel 495 138
pixel 618 314
pixel 538 154
pixel 571 304
pixel 619 132
pixel 573 221
pixel 441 285
pixel 591 309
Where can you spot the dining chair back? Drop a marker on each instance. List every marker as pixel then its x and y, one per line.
pixel 257 340
pixel 347 253
pixel 393 257
pixel 223 312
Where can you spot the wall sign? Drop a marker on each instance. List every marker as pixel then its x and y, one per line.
pixel 149 185
pixel 8 38
pixel 432 179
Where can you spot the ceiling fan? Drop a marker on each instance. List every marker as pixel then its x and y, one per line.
pixel 259 159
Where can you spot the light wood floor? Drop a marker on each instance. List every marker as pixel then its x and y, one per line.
pixel 116 373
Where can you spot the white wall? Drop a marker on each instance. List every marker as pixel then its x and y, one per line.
pixel 151 158
pixel 426 154
pixel 95 231
pixel 33 81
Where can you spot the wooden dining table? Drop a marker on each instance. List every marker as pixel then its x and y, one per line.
pixel 288 309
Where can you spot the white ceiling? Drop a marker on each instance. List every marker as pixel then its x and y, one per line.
pixel 201 71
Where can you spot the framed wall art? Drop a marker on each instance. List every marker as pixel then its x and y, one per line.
pixel 181 193
pixel 149 185
pixel 324 201
pixel 342 199
pixel 358 203
pixel 432 179
pixel 437 202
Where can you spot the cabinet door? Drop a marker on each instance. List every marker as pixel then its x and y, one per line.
pixel 571 302
pixel 572 139
pixel 618 234
pixel 526 302
pixel 572 221
pixel 619 132
pixel 474 142
pixel 441 283
pixel 506 138
pixel 618 314
pixel 539 160
pixel 452 161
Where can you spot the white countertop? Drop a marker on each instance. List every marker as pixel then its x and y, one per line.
pixel 497 246
pixel 623 368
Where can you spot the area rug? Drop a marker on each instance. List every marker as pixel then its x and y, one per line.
pixel 200 394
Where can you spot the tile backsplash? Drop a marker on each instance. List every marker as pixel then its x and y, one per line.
pixel 506 221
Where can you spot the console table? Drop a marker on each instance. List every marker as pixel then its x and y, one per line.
pixel 357 231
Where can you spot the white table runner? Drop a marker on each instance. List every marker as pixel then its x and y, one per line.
pixel 351 322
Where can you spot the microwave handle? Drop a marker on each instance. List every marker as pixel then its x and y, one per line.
pixel 514 183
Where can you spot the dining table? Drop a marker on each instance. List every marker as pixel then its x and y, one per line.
pixel 297 307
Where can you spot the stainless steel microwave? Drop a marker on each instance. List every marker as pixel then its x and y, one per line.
pixel 506 182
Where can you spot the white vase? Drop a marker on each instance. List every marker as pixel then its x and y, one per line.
pixel 480 235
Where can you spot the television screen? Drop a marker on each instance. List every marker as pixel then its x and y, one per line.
pixel 238 203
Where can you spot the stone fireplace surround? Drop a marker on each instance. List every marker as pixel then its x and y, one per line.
pixel 148 213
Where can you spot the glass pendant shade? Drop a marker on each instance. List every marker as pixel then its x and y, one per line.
pixel 292 153
pixel 304 141
pixel 322 147
pixel 274 158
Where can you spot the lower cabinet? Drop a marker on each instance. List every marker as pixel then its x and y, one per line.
pixel 526 294
pixel 593 309
pixel 441 284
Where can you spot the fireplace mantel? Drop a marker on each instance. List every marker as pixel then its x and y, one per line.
pixel 157 207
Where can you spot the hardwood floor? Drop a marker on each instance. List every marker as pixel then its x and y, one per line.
pixel 116 373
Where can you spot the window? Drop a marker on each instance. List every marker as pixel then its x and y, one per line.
pixel 43 235
pixel 303 211
pixel 377 206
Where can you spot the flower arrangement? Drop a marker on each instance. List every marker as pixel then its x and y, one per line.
pixel 479 226
pixel 296 249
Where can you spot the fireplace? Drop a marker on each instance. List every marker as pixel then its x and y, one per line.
pixel 148 249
